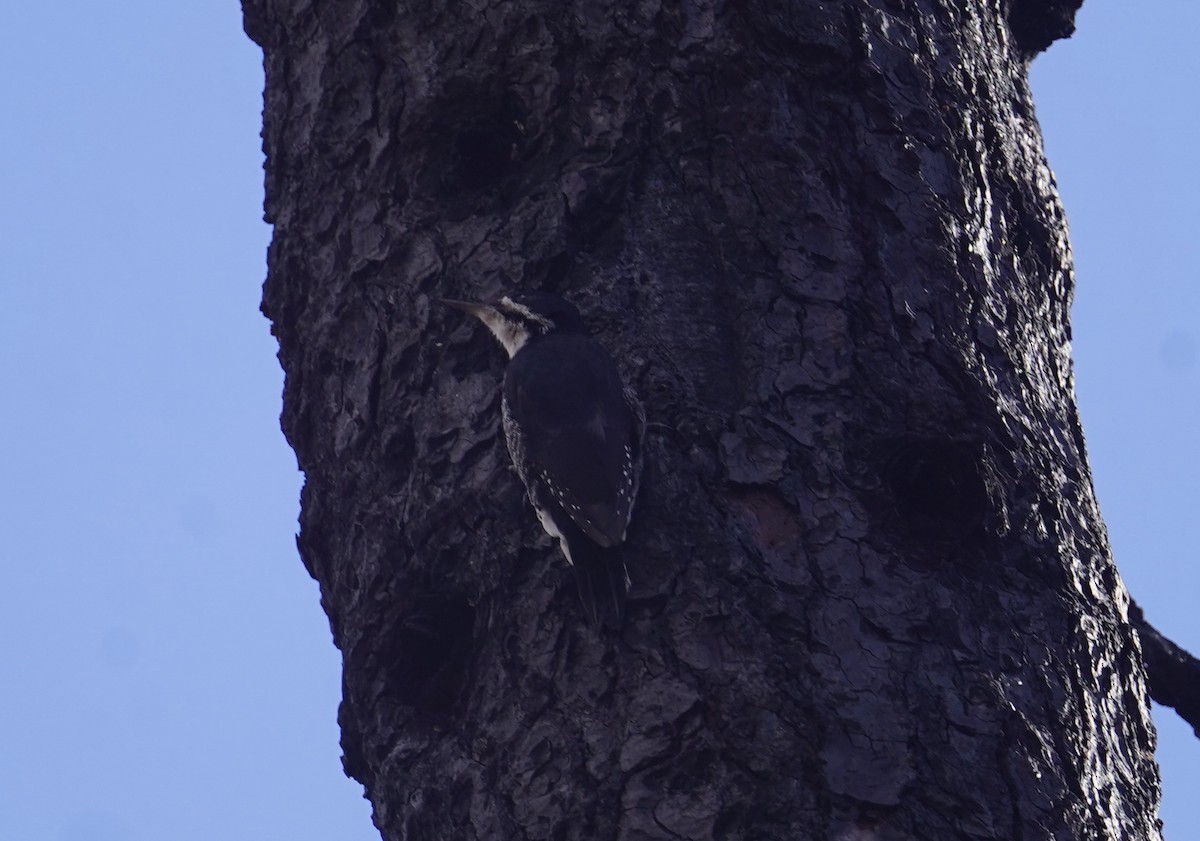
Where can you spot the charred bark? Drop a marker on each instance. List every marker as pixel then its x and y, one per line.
pixel 872 595
pixel 1173 674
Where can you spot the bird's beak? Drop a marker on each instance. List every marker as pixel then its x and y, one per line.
pixel 510 334
pixel 480 311
pixel 487 314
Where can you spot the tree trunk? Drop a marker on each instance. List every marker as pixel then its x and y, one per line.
pixel 872 595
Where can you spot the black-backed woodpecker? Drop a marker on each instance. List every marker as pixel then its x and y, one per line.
pixel 575 434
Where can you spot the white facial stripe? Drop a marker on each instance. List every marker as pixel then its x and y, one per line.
pixel 509 333
pixel 524 311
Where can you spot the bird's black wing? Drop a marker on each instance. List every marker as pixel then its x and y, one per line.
pixel 579 434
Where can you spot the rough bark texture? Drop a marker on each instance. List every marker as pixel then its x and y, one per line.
pixel 872 593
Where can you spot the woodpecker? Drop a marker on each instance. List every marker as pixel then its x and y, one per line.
pixel 575 433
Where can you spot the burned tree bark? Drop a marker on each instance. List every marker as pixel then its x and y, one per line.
pixel 1173 674
pixel 872 593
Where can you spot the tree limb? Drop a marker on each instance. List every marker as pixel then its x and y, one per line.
pixel 1174 674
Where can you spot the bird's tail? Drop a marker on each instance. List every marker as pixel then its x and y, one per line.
pixel 602 582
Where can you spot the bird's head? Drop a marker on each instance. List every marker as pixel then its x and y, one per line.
pixel 517 318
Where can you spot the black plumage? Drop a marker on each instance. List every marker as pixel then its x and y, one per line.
pixel 575 435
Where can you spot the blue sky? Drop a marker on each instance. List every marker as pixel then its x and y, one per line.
pixel 168 671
